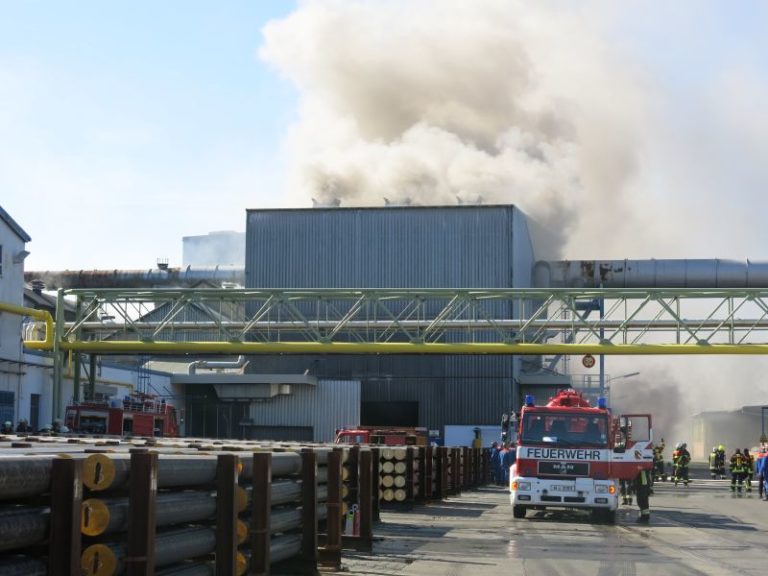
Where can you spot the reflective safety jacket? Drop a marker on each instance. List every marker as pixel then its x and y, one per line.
pixel 738 464
pixel 681 457
pixel 749 463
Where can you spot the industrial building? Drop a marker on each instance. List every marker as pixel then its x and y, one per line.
pixel 405 247
pixel 742 428
pixel 305 397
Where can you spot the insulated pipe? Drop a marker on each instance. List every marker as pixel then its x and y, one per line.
pixel 671 273
pixel 110 471
pixel 287 491
pixel 170 547
pixel 23 476
pixel 193 366
pixel 282 520
pixel 178 276
pixel 284 547
pixel 199 569
pixel 21 527
pixel 22 566
pixel 42 315
pixel 281 548
pixel 111 515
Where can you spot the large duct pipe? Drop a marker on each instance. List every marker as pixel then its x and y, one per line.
pixel 712 273
pixel 179 277
pixel 216 365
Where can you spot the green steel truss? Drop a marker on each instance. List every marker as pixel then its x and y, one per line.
pixel 418 321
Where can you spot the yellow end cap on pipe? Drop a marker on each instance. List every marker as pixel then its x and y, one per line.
pixel 94 518
pixel 98 472
pixel 98 560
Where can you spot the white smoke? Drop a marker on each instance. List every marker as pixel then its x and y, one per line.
pixel 448 101
pixel 536 104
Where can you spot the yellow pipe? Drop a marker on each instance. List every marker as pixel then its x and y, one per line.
pixel 136 347
pixel 42 315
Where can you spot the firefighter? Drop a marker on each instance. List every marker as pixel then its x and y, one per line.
pixel 713 462
pixel 738 471
pixel 626 488
pixel 658 462
pixel 749 469
pixel 642 487
pixel 681 458
pixel 762 473
pixel 508 458
pixel 721 461
pixel 496 464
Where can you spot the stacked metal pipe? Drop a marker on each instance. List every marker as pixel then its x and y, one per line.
pixel 393 474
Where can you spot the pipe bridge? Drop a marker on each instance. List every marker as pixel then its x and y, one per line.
pixel 412 321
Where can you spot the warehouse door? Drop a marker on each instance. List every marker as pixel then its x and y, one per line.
pixel 389 414
pixel 6 407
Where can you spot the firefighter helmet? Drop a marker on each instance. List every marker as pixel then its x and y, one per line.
pixel 679 446
pixel 721 448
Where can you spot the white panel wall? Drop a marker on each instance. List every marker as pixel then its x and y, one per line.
pixel 330 405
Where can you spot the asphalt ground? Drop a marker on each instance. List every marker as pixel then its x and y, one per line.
pixel 699 529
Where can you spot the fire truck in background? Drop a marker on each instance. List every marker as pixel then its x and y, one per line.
pixel 137 415
pixel 573 455
pixel 385 435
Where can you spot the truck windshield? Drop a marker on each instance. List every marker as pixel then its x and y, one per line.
pixel 564 429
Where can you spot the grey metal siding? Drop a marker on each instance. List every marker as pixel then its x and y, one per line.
pixel 398 247
pixel 328 406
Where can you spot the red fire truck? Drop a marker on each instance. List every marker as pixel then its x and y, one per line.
pixel 136 414
pixel 386 435
pixel 573 455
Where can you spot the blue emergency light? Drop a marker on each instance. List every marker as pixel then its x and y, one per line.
pixel 529 399
pixel 602 403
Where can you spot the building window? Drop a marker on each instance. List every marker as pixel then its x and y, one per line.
pixel 1 259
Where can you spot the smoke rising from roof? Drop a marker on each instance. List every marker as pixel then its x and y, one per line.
pixel 445 102
pixel 448 101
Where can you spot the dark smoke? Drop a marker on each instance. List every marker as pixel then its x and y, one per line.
pixel 656 393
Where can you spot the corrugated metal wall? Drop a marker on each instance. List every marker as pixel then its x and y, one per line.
pixel 398 247
pixel 328 406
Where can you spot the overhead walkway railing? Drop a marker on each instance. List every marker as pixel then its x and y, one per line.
pixel 412 321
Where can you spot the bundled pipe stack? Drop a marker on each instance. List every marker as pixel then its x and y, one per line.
pixel 395 480
pixel 188 505
pixel 100 506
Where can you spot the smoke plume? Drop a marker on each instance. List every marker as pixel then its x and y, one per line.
pixel 535 104
pixel 444 102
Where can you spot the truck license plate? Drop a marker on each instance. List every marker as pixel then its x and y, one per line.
pixel 558 488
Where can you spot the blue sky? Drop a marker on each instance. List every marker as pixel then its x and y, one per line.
pixel 126 126
pixel 130 125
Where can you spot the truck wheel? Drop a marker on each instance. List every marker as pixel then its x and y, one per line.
pixel 518 511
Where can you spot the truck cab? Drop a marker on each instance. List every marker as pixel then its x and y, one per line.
pixel 567 457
